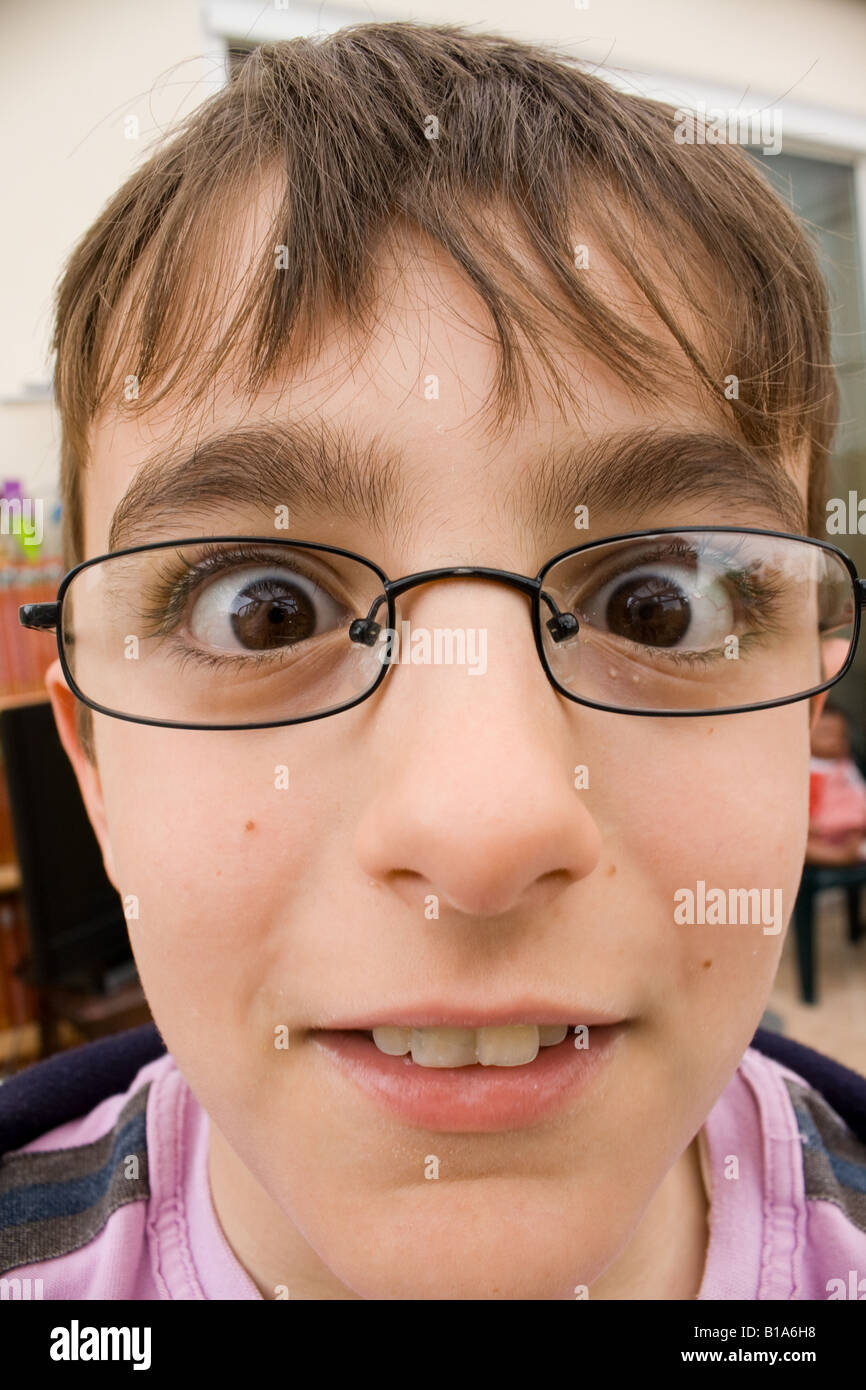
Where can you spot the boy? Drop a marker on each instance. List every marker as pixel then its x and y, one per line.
pixel 441 1020
pixel 837 794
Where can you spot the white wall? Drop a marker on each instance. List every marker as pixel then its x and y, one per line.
pixel 73 71
pixel 70 72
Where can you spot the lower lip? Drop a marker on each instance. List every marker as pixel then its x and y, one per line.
pixel 472 1099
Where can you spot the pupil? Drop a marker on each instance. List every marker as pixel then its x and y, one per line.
pixel 269 614
pixel 652 610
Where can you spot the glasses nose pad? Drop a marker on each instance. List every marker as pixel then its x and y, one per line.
pixel 371 645
pixel 562 626
pixel 364 630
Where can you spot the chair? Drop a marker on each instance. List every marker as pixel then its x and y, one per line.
pixel 816 878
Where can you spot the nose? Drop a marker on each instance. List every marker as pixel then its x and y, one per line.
pixel 479 807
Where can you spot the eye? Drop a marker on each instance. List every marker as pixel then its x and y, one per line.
pixel 262 608
pixel 662 603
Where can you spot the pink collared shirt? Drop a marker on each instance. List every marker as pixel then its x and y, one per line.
pixel 785 1177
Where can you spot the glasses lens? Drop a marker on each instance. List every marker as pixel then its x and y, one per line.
pixel 698 620
pixel 221 632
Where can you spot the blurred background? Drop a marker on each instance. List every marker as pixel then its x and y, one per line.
pixel 85 88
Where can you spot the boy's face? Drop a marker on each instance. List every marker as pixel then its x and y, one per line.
pixel 260 906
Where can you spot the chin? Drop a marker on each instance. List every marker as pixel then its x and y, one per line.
pixel 498 1249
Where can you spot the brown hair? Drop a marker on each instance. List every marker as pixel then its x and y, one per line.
pixel 348 126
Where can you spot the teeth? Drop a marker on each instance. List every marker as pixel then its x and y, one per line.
pixel 510 1046
pixel 548 1037
pixel 507 1047
pixel 443 1047
pixel 393 1041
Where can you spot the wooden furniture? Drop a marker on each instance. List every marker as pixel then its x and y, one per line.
pixel 78 962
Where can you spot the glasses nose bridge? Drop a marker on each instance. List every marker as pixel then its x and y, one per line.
pixel 366 630
pixel 523 583
pixel 560 624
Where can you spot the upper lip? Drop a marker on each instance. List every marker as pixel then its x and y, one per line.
pixel 468 1016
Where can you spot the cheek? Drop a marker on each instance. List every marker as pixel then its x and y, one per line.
pixel 211 834
pixel 726 805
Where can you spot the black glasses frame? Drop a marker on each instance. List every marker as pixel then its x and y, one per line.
pixel 48 617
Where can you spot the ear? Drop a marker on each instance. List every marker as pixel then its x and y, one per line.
pixel 64 705
pixel 816 705
pixel 834 654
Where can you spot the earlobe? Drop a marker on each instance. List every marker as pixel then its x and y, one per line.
pixel 65 707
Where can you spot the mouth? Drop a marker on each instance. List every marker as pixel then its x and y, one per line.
pixel 453 1078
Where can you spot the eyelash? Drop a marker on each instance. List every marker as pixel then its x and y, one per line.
pixel 750 594
pixel 167 606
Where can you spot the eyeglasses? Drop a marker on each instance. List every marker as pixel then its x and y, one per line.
pixel 246 632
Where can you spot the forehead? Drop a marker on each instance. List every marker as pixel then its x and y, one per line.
pixel 417 390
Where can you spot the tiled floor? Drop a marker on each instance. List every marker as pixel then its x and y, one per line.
pixel 836 1025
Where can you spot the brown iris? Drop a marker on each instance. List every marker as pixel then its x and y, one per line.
pixel 651 610
pixel 271 613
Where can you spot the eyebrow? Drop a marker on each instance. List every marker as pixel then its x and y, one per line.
pixel 312 467
pixel 323 467
pixel 634 472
